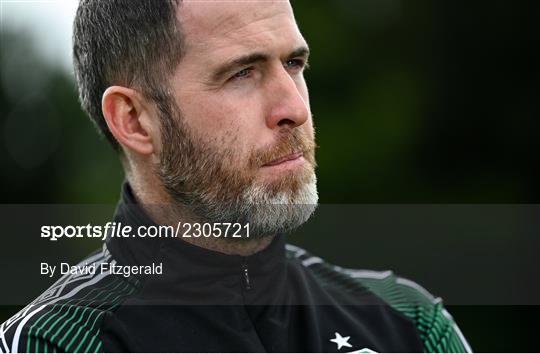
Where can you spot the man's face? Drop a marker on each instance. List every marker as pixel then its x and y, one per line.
pixel 241 145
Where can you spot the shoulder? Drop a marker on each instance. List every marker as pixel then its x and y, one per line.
pixel 68 315
pixel 436 327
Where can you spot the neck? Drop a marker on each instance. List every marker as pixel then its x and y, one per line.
pixel 163 210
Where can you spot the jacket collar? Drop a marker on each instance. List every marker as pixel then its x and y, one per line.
pixel 186 266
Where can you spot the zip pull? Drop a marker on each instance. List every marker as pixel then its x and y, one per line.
pixel 247 284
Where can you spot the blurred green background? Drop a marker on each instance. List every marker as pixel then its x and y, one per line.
pixel 414 102
pixel 424 101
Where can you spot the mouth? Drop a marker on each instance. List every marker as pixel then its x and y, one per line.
pixel 285 160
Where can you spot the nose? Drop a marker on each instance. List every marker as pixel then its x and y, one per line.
pixel 287 105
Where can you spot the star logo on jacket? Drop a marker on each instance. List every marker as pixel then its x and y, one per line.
pixel 341 341
pixel 344 342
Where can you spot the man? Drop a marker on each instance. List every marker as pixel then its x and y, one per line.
pixel 206 104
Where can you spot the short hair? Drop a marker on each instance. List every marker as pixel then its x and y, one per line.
pixel 132 43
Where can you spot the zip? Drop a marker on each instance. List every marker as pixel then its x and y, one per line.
pixel 247 284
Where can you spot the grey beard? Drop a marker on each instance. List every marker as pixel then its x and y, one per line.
pixel 266 215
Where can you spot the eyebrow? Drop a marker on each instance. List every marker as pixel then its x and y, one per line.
pixel 252 58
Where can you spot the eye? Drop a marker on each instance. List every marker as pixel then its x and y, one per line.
pixel 295 64
pixel 242 73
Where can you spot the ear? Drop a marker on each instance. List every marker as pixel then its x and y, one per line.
pixel 127 116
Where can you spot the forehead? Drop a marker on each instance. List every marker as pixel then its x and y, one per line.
pixel 218 25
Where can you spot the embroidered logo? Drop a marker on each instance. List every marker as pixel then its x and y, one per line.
pixel 341 341
pixel 344 342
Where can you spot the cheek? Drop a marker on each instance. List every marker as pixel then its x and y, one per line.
pixel 203 116
pixel 240 121
pixel 214 114
pixel 303 89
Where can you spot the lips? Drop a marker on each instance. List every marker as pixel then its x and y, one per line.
pixel 283 159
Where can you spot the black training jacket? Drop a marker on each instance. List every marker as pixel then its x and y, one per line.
pixel 281 299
